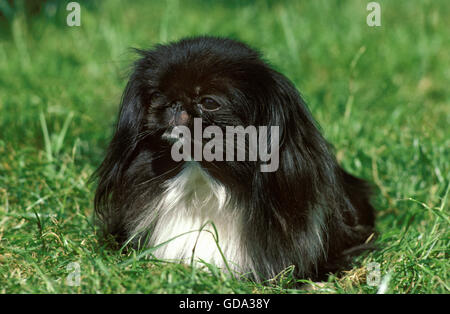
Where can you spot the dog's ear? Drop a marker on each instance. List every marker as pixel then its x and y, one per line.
pixel 305 158
pixel 131 115
pixel 120 150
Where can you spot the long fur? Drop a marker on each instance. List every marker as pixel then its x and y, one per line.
pixel 308 213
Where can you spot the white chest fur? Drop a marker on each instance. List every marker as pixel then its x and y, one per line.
pixel 185 219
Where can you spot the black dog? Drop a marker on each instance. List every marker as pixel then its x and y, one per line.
pixel 308 212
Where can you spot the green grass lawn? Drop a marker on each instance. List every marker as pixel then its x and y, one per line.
pixel 381 95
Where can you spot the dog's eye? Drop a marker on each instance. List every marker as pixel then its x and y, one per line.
pixel 156 97
pixel 209 104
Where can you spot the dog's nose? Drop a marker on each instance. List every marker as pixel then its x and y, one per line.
pixel 180 115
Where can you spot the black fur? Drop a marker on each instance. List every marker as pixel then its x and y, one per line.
pixel 279 207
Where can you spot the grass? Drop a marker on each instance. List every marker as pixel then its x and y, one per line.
pixel 380 94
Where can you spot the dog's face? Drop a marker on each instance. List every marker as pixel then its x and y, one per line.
pixel 224 83
pixel 181 91
pixel 213 83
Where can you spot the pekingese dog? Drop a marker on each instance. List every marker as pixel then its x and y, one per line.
pixel 286 202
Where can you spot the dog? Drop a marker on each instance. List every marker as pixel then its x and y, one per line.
pixel 307 211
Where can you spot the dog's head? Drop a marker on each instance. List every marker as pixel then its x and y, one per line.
pixel 219 81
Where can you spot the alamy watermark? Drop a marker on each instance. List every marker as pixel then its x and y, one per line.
pixel 373 277
pixel 262 145
pixel 374 17
pixel 73 279
pixel 74 17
